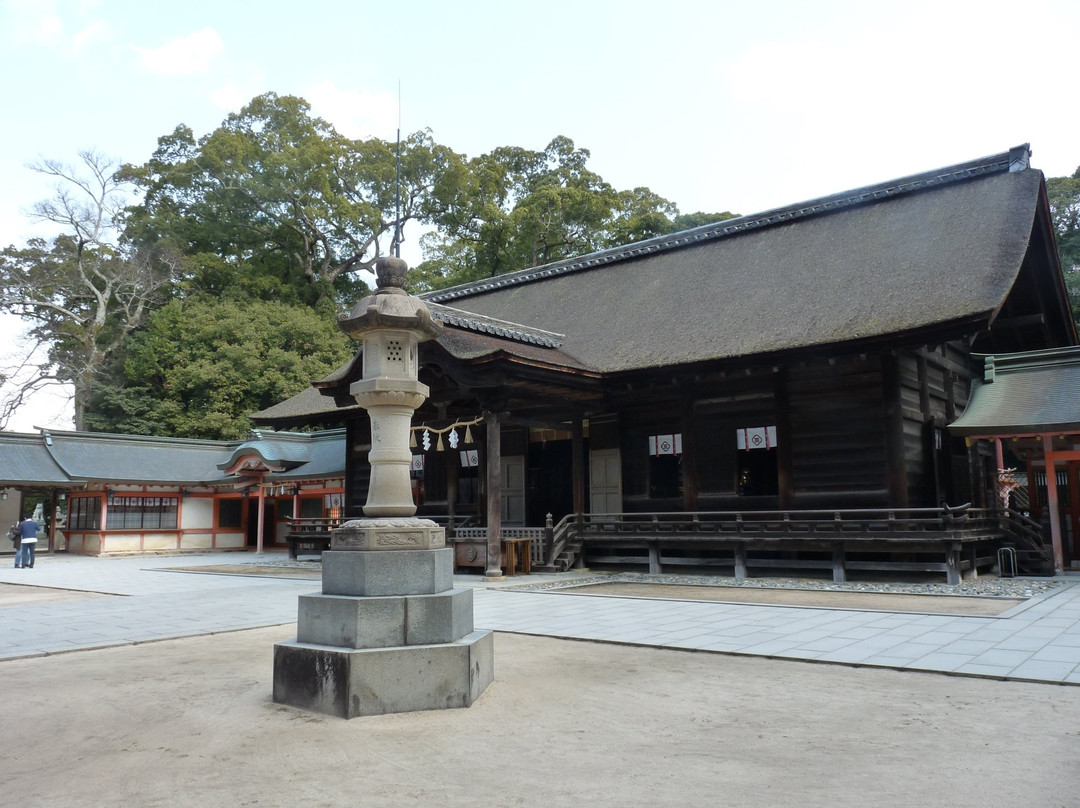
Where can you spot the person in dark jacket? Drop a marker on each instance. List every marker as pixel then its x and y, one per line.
pixel 28 530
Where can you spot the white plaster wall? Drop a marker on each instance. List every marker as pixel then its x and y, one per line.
pixel 159 541
pixel 196 512
pixel 197 541
pixel 230 540
pixel 122 543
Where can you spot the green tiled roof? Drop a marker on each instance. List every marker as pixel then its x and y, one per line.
pixel 1023 394
pixel 72 459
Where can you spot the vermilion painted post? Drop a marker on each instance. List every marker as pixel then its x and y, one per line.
pixel 1052 503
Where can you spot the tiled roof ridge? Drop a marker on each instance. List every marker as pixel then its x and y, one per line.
pixel 1015 159
pixel 491 325
pixel 1027 360
pixel 48 435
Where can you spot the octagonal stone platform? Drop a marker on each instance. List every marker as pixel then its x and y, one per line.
pixel 376 681
pixel 389 633
pixel 379 622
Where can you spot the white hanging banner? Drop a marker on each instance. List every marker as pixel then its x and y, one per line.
pixel 470 459
pixel 757 437
pixel 417 462
pixel 665 444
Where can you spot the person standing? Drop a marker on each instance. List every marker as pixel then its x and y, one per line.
pixel 28 530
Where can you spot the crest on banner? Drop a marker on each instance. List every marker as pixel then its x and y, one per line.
pixel 756 437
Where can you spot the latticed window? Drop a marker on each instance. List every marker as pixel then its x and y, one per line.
pixel 141 513
pixel 1062 487
pixel 84 513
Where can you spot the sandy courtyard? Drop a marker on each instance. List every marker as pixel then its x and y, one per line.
pixel 190 723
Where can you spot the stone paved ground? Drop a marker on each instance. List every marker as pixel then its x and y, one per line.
pixel 667 701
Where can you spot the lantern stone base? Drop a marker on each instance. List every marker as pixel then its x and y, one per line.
pixel 375 681
pixel 388 534
pixel 380 622
pixel 388 633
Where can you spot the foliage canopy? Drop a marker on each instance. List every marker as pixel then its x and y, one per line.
pixel 1064 195
pixel 200 366
pixel 214 295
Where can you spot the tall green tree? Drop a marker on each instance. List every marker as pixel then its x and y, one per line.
pixel 84 291
pixel 277 203
pixel 201 366
pixel 1064 195
pixel 515 208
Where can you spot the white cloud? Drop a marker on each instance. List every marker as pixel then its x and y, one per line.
pixel 34 21
pixel 357 114
pixel 93 33
pixel 184 56
pixel 232 96
pixel 929 85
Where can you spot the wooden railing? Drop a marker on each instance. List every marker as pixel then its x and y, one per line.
pixel 559 539
pixel 536 535
pixel 565 538
pixel 1026 532
pixel 314 525
pixel 869 523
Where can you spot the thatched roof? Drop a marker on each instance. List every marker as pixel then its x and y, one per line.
pixel 940 247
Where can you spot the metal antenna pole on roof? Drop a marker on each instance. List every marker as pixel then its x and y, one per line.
pixel 395 246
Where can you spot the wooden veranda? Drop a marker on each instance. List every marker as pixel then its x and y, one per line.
pixel 954 542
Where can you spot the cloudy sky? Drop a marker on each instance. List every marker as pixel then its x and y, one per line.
pixel 716 105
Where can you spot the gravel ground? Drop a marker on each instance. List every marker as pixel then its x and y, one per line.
pixel 190 724
pixel 986 586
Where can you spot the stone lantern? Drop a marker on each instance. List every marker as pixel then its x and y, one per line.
pixel 391 324
pixel 389 632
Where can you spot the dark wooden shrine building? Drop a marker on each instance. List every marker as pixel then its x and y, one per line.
pixel 769 389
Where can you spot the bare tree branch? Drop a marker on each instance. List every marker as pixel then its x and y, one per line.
pixel 84 291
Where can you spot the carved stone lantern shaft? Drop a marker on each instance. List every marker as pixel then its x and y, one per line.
pixel 391 324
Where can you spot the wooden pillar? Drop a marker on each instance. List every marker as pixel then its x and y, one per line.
pixel 51 521
pixel 654 558
pixel 784 466
pixel 689 455
pixel 1052 503
pixel 453 471
pixel 895 463
pixel 577 463
pixel 924 387
pixel 972 572
pixel 839 574
pixel 740 562
pixel 259 522
pixel 494 495
pixel 952 564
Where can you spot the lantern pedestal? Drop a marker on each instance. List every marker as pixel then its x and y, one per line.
pixel 389 633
